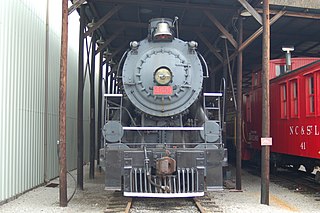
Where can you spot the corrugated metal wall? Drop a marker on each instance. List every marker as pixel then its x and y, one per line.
pixel 24 145
pixel 54 20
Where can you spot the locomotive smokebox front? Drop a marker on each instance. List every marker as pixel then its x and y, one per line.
pixel 162 75
pixel 162 132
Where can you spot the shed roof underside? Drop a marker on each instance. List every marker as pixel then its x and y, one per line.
pixel 128 21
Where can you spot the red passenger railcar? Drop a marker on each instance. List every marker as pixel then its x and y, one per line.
pixel 294 114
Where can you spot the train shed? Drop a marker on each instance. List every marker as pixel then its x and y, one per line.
pixel 231 36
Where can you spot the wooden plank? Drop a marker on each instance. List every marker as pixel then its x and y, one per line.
pixel 170 5
pixel 107 42
pixel 211 48
pixel 310 4
pixel 294 14
pixel 199 206
pixel 251 10
pixel 127 210
pixel 221 28
pixel 75 6
pixel 117 51
pixel 103 20
pixel 250 39
pixel 259 31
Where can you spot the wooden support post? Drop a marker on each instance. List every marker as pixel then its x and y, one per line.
pixel 239 110
pixel 62 106
pixel 265 150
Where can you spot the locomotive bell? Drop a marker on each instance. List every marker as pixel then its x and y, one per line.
pixel 162 31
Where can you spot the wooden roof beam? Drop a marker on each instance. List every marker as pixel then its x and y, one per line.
pixel 308 4
pixel 75 6
pixel 145 25
pixel 293 14
pixel 103 20
pixel 168 4
pixel 211 48
pixel 117 51
pixel 251 39
pixel 259 31
pixel 221 28
pixel 251 10
pixel 107 42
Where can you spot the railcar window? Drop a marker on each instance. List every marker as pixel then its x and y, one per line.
pixel 283 94
pixel 294 99
pixel 280 69
pixel 310 95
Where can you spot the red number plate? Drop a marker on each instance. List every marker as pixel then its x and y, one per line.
pixel 162 90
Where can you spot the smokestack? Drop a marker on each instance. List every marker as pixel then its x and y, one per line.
pixel 288 50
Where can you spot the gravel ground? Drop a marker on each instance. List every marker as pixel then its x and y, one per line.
pixel 281 199
pixel 173 206
pixel 95 199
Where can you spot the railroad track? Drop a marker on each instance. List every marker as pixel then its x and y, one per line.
pixel 118 203
pixel 297 181
pixel 207 204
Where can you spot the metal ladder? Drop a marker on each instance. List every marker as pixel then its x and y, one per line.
pixel 113 103
pixel 112 106
pixel 212 108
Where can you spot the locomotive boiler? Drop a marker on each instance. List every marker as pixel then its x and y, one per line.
pixel 162 133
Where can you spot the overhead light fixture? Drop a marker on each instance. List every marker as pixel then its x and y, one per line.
pixel 90 24
pixel 106 53
pixel 287 48
pixel 100 41
pixel 245 13
pixel 223 36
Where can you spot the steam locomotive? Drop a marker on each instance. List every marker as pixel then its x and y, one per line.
pixel 162 133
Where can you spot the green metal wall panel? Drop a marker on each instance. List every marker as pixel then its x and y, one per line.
pixel 23 113
pixel 22 96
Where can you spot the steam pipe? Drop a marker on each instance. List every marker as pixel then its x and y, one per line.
pixel 223 89
pixel 205 65
pixel 197 112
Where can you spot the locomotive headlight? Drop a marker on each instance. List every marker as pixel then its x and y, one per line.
pixel 163 76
